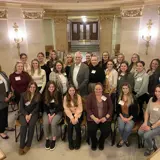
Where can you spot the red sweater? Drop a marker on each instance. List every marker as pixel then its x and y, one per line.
pixel 19 82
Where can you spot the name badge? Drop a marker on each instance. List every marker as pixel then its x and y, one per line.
pixel 155 109
pixel 121 102
pixel 104 98
pixel 93 71
pixel 28 103
pixel 52 101
pixel 18 78
pixel 52 69
pixel 1 81
pixel 65 74
pixel 119 78
pixel 139 79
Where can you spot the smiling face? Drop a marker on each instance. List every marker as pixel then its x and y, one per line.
pixel 88 57
pixel 59 67
pixel 139 67
pixel 32 88
pixel 35 64
pixel 134 58
pixel 154 65
pixel 120 58
pixel 51 88
pixel 98 90
pixel 69 58
pixel 105 57
pixel 40 58
pixel 94 60
pixel 19 67
pixel 125 90
pixel 123 67
pixel 71 91
pixel 110 65
pixel 53 55
pixel 157 93
pixel 24 59
pixel 78 58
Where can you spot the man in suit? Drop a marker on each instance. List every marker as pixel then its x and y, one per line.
pixel 79 75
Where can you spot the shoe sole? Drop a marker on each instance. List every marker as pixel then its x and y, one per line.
pixel 52 149
pixel 47 148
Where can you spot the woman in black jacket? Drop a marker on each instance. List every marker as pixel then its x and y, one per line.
pixel 127 111
pixel 29 109
pixel 52 113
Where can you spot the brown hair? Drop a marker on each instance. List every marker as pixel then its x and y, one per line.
pixel 40 53
pixel 32 69
pixel 55 70
pixel 75 98
pixel 27 94
pixel 47 96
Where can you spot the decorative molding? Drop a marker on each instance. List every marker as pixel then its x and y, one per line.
pixel 60 19
pixel 137 12
pixel 3 13
pixel 33 14
pixel 104 18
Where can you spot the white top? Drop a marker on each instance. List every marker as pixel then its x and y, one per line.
pixel 27 67
pixel 64 82
pixel 112 78
pixel 40 79
pixel 2 80
pixel 75 72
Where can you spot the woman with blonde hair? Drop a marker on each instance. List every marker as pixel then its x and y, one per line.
pixel 38 75
pixel 73 109
pixel 127 111
pixel 19 80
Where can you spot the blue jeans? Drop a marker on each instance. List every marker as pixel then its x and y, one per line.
pixel 149 135
pixel 125 128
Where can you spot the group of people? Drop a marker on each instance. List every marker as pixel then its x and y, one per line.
pixel 74 89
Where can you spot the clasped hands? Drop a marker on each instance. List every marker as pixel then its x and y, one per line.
pixel 101 120
pixel 145 127
pixel 50 117
pixel 28 117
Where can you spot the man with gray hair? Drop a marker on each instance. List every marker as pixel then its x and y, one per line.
pixel 79 75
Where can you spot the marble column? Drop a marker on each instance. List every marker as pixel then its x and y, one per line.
pixel 60 33
pixel 106 26
pixel 130 25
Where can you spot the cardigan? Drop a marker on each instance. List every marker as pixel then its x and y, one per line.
pixel 92 109
pixel 133 109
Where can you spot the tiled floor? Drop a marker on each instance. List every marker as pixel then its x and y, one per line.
pixel 10 147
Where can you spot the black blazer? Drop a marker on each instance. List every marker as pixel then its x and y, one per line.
pixel 32 108
pixel 133 109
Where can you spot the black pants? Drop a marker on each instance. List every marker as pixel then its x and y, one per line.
pixel 23 130
pixel 77 128
pixel 105 129
pixel 113 98
pixel 3 119
pixel 143 98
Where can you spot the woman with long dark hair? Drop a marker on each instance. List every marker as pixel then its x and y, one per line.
pixel 53 108
pixel 151 126
pixel 127 111
pixel 53 58
pixel 105 58
pixel 73 109
pixel 29 110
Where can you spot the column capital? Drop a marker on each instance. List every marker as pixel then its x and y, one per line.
pixel 33 14
pixel 3 13
pixel 132 12
pixel 60 19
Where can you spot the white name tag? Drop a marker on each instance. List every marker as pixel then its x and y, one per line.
pixel 52 69
pixel 18 78
pixel 93 71
pixel 155 109
pixel 52 101
pixel 104 98
pixel 28 103
pixel 1 81
pixel 139 79
pixel 121 102
pixel 119 78
pixel 65 74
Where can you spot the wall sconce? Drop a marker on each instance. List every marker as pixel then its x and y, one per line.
pixel 17 36
pixel 147 34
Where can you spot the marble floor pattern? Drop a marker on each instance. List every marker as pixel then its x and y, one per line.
pixel 61 152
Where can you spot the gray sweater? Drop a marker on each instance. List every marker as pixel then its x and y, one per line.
pixel 141 83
